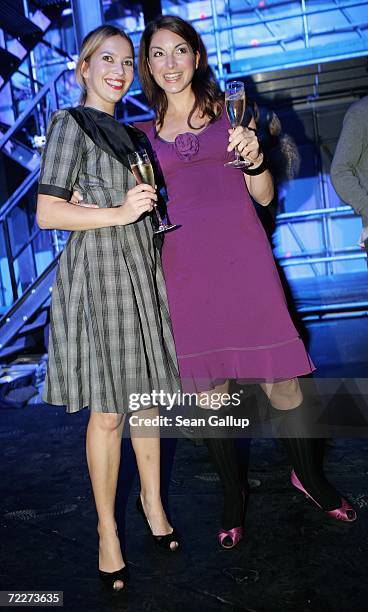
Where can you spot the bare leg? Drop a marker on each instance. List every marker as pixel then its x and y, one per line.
pixel 146 444
pixel 103 446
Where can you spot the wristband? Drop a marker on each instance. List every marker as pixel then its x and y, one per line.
pixel 261 168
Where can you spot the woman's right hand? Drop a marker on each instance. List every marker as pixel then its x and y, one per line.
pixel 139 200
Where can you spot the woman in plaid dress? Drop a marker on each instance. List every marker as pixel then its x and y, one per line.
pixel 110 332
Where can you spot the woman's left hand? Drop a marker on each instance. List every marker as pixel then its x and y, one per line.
pixel 77 200
pixel 245 141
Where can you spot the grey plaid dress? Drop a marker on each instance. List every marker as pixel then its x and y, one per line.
pixel 110 329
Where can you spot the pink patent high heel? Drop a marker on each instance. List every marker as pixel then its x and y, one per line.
pixel 345 513
pixel 236 534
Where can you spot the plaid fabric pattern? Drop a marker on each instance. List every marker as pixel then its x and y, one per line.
pixel 110 331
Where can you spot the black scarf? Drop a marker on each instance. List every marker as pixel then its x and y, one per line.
pixel 118 140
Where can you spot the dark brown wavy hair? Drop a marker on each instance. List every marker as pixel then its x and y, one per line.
pixel 209 99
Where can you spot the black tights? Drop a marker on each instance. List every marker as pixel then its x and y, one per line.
pixel 305 454
pixel 231 464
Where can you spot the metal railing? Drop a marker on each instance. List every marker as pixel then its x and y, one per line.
pixel 27 249
pixel 48 99
pixel 34 105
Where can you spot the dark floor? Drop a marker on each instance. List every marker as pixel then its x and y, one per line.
pixel 293 558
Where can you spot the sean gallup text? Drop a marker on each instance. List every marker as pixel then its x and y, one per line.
pixel 136 420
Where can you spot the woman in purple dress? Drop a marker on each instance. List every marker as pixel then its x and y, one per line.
pixel 228 310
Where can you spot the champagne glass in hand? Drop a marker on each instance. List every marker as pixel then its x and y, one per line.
pixel 141 167
pixel 235 107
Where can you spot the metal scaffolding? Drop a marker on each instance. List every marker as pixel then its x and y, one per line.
pixel 253 40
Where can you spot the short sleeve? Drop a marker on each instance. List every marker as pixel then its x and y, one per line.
pixel 61 157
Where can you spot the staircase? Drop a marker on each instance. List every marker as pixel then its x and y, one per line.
pixel 27 262
pixel 21 32
pixel 28 257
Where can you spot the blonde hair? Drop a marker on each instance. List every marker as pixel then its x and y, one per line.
pixel 90 44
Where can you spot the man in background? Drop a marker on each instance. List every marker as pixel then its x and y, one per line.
pixel 349 169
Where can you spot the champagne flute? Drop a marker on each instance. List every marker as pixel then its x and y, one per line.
pixel 235 103
pixel 141 167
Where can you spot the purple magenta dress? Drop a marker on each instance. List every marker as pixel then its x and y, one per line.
pixel 227 305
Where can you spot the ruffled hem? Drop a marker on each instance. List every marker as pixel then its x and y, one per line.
pixel 273 363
